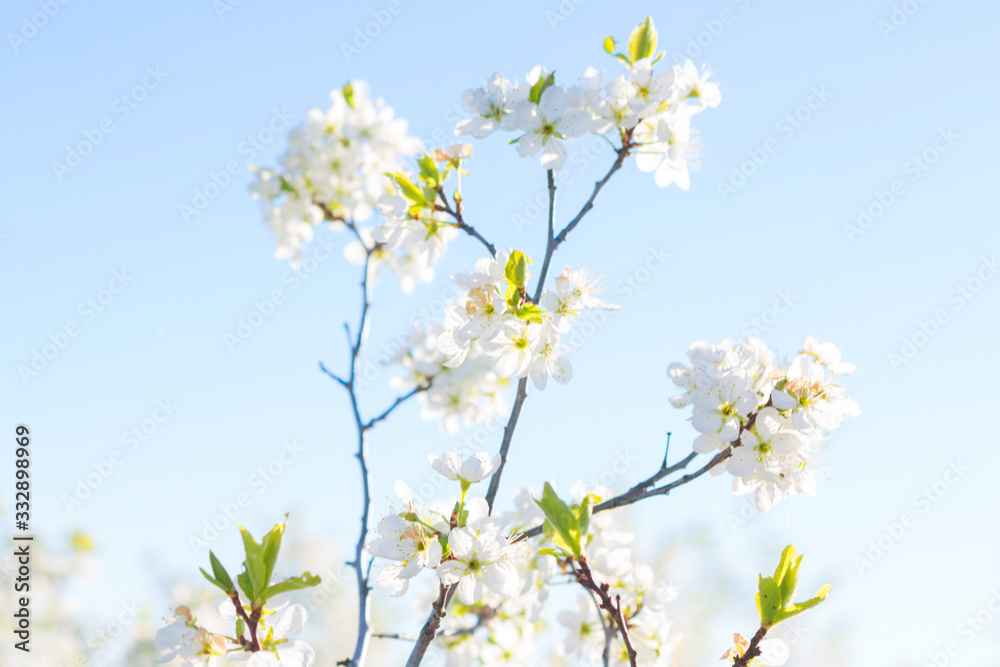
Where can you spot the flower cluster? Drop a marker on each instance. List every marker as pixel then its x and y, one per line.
pixel 497 333
pixel 257 605
pixel 334 168
pixel 772 415
pixel 502 629
pixel 649 108
pixel 461 542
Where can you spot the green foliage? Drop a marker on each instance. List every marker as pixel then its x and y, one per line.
pixel 258 568
pixel 642 43
pixel 411 192
pixel 304 580
pixel 566 526
pixel 775 594
pixel 543 84
pixel 219 576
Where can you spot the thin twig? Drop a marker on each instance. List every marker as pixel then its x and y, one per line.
pixel 609 633
pixel 753 650
pixel 251 621
pixel 508 435
pixel 428 632
pixel 394 635
pixel 456 214
pixel 614 609
pixel 401 399
pixel 550 243
pixel 639 491
pixel 361 571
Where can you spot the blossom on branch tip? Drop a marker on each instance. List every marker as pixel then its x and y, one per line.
pixel 474 468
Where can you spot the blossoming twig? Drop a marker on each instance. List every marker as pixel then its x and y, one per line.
pixel 362 427
pixel 550 248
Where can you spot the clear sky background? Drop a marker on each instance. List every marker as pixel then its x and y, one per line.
pixel 927 87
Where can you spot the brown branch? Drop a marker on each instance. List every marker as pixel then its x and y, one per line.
pixel 614 609
pixel 429 631
pixel 456 215
pixel 251 621
pixel 753 650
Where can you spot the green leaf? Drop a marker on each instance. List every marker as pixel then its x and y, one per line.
pixel 270 546
pixel 787 574
pixel 609 44
pixel 304 580
pixel 546 551
pixel 642 43
pixel 563 521
pixel 768 601
pixel 516 270
pixel 535 94
pixel 585 512
pixel 410 191
pixel 530 312
pixel 255 561
pixel 222 577
pixel 429 173
pixel 798 608
pixel 214 581
pixel 348 91
pixel 243 579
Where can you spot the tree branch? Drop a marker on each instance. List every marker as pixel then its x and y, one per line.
pixel 429 631
pixel 753 650
pixel 354 343
pixel 550 244
pixel 456 214
pixel 614 609
pixel 438 610
pixel 508 435
pixel 641 490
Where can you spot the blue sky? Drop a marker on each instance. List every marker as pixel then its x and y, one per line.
pixel 898 122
